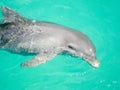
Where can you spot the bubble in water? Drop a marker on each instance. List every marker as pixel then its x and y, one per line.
pixel 108 85
pixel 114 82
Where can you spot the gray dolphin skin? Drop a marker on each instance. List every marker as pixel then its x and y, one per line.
pixel 44 39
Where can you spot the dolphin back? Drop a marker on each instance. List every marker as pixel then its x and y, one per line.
pixel 11 16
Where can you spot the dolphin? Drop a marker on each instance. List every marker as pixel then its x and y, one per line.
pixel 44 39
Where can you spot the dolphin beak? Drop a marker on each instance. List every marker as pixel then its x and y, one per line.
pixel 95 63
pixel 92 61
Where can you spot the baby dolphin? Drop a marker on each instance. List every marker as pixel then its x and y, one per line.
pixel 44 39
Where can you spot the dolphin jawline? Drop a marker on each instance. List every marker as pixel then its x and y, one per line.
pixel 92 61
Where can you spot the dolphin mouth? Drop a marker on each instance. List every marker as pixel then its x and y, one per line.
pixel 92 61
pixel 95 63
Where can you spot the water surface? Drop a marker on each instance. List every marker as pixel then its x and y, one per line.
pixel 98 19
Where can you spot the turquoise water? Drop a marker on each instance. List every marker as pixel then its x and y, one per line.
pixel 98 19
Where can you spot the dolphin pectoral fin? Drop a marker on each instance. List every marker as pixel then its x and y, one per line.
pixel 38 59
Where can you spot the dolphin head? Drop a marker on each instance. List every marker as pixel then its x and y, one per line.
pixel 82 47
pixel 88 53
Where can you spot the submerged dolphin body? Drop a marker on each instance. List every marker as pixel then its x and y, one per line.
pixel 45 39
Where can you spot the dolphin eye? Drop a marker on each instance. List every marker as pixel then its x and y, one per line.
pixel 71 47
